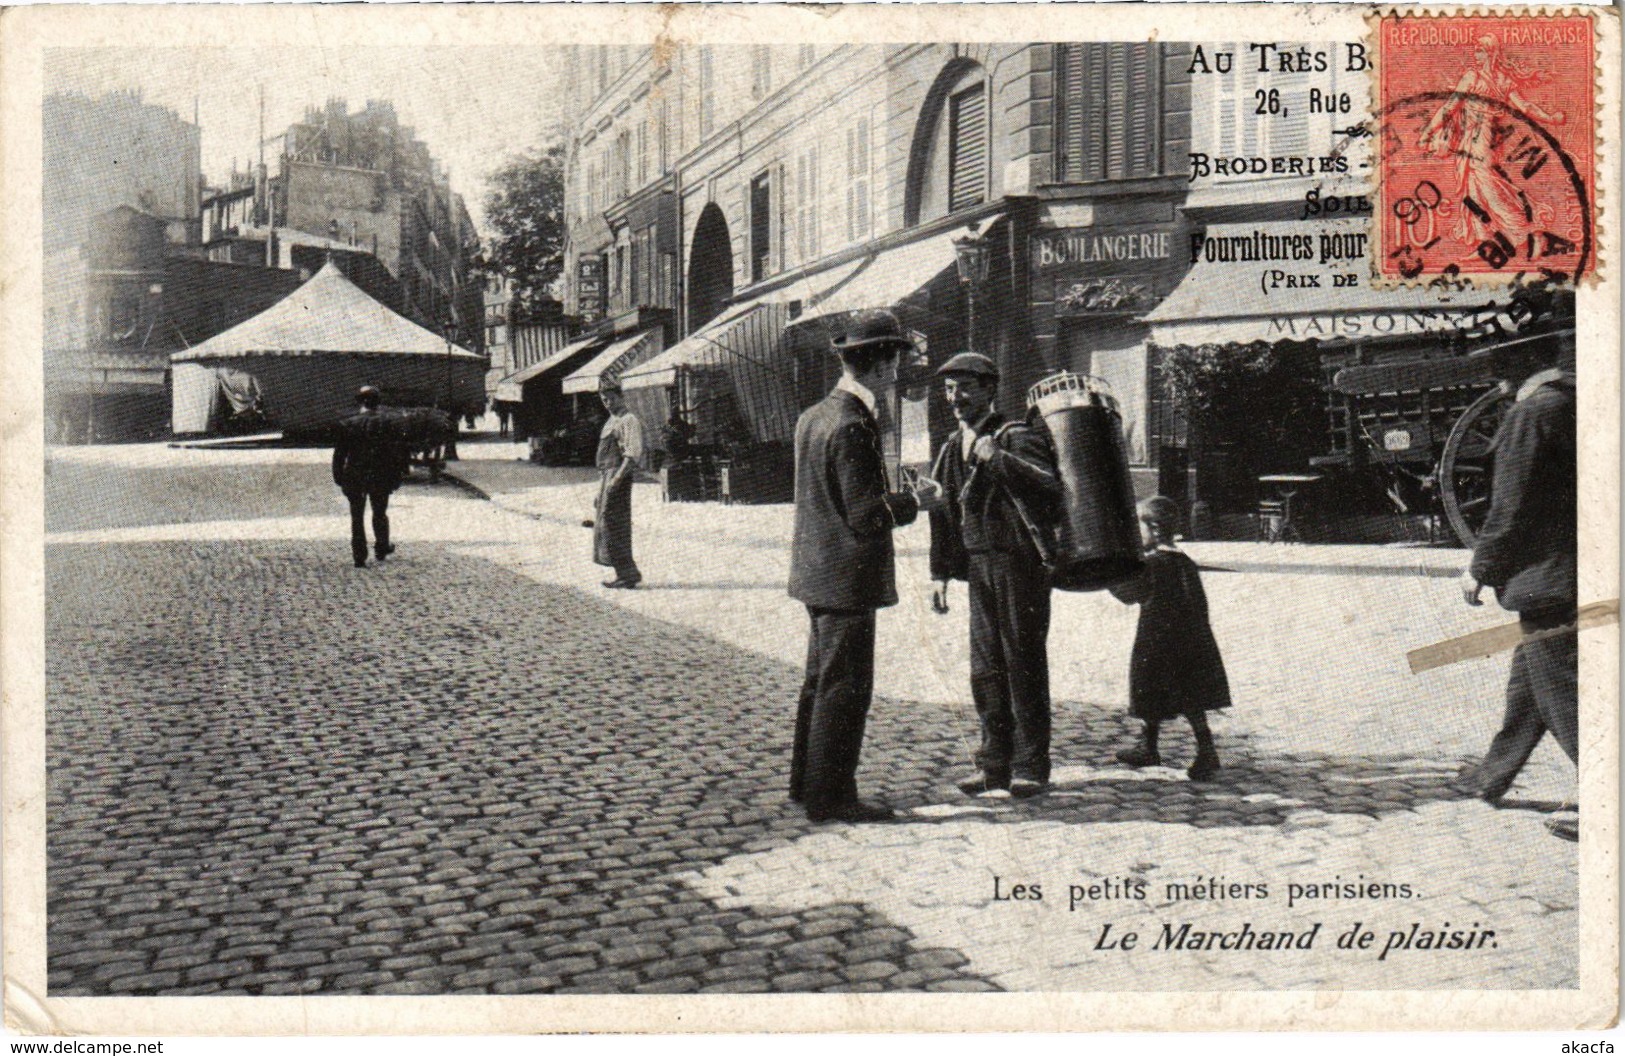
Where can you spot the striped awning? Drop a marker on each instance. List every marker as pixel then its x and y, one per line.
pixel 750 331
pixel 511 388
pixel 614 361
pixel 889 277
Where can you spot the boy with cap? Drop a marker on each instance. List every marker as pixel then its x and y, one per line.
pixel 842 566
pixel 995 475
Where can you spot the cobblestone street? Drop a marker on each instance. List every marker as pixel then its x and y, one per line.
pixel 471 770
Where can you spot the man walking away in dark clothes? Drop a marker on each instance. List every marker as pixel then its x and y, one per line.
pixel 369 460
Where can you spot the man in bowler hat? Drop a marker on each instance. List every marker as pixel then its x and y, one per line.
pixel 1527 551
pixel 997 479
pixel 842 566
pixel 369 460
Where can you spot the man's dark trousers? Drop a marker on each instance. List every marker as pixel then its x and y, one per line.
pixel 833 708
pixel 1543 694
pixel 1009 663
pixel 359 497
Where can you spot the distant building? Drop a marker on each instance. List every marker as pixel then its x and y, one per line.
pixel 497 295
pixel 117 305
pixel 117 150
pixel 142 260
pixel 362 183
pixel 759 194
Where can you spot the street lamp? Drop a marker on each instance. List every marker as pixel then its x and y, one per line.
pixel 971 257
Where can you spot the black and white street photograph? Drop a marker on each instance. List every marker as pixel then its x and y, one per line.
pixel 697 503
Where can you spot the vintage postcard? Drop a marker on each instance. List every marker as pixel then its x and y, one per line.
pixel 762 518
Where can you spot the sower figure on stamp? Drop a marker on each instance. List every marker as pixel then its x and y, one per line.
pixel 620 445
pixel 369 460
pixel 1469 125
pixel 995 476
pixel 842 566
pixel 1528 550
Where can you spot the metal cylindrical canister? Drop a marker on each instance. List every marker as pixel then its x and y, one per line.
pixel 1099 534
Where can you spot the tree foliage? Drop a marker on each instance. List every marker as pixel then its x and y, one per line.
pixel 525 209
pixel 1201 379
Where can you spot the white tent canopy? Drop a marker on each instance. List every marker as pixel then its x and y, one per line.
pixel 309 352
pixel 329 313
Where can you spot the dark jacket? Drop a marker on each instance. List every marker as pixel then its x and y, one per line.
pixel 1528 546
pixel 370 454
pixel 978 513
pixel 1175 666
pixel 841 549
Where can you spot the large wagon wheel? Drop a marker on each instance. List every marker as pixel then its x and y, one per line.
pixel 1467 465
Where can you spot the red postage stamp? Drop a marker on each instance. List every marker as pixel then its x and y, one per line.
pixel 1486 150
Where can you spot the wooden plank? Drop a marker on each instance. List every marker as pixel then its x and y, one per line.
pixel 1493 640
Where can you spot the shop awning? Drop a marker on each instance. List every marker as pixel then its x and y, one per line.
pixel 511 388
pixel 614 361
pixel 749 332
pixel 1228 297
pixel 890 276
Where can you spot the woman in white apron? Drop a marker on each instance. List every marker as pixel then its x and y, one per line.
pixel 620 446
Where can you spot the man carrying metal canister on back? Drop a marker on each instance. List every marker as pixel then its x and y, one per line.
pixel 997 478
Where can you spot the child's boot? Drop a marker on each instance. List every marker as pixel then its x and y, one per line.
pixel 1206 766
pixel 1145 752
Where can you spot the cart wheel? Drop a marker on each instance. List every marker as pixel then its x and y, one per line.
pixel 1466 468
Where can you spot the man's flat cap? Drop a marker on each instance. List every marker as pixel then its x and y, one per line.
pixel 973 363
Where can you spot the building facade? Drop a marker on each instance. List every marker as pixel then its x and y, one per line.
pixel 118 305
pixel 117 150
pixel 358 183
pixel 815 180
pixel 1099 207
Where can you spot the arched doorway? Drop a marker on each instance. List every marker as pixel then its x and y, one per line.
pixel 710 268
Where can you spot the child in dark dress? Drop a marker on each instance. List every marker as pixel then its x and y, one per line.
pixel 1175 668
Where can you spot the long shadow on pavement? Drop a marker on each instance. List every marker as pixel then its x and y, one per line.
pixel 270 773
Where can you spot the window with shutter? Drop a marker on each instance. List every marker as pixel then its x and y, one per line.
pixel 1239 107
pixel 634 293
pixel 707 93
pixel 1117 116
pixel 857 180
pixel 761 71
pixel 623 162
pixel 663 131
pixel 1071 119
pixel 968 143
pixel 1109 112
pixel 807 198
pixel 761 226
pixel 1142 109
pixel 1291 135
